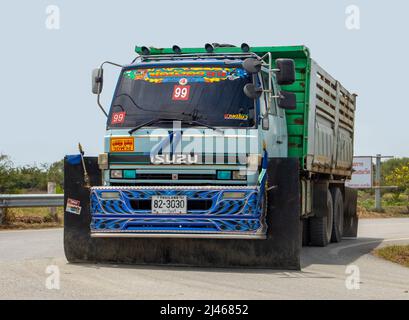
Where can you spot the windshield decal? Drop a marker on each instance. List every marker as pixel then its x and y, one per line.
pixel 183 81
pixel 236 116
pixel 118 117
pixel 181 93
pixel 186 74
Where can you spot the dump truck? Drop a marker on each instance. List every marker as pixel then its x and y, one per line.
pixel 219 156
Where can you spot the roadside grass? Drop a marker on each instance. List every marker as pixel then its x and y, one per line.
pixel 397 254
pixel 32 218
pixel 393 206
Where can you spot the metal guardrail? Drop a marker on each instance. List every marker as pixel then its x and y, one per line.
pixel 31 200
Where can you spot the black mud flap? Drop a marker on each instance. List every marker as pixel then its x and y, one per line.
pixel 77 241
pixel 281 250
pixel 350 213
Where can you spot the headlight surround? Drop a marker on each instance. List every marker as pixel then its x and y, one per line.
pixel 116 174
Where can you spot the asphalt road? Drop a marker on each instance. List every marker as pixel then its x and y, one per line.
pixel 25 256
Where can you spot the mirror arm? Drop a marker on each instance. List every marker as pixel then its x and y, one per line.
pixel 100 105
pixel 99 94
pixel 111 63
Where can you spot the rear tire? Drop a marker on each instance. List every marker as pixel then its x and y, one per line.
pixel 338 221
pixel 321 227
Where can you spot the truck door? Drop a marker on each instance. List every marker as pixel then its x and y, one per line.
pixel 276 135
pixel 282 121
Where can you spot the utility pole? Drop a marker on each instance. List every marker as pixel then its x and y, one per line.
pixel 377 184
pixel 51 189
pixel 378 199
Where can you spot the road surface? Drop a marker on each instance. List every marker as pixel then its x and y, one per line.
pixel 26 255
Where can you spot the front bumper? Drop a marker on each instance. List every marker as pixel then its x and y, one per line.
pixel 210 214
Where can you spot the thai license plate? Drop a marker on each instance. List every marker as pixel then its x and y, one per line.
pixel 169 204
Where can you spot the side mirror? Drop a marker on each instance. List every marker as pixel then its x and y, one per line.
pixel 286 73
pixel 97 80
pixel 252 65
pixel 287 100
pixel 251 91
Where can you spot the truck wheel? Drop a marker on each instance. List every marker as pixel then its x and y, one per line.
pixel 338 223
pixel 350 214
pixel 321 227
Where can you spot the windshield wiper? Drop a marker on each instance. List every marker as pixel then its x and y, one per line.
pixel 190 122
pixel 149 123
pixel 199 123
pixel 194 119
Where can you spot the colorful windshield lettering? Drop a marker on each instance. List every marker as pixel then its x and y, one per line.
pixel 238 116
pixel 192 74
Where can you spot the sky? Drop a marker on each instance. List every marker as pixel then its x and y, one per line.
pixel 47 107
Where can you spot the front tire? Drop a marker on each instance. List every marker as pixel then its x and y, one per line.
pixel 321 227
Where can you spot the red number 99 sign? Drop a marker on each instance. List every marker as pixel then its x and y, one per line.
pixel 181 93
pixel 118 117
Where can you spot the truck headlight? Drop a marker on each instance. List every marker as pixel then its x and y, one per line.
pixel 239 175
pixel 103 161
pixel 116 174
pixel 253 162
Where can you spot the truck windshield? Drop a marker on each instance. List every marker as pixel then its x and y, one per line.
pixel 213 95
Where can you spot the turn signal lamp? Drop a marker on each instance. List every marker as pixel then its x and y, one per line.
pixel 103 161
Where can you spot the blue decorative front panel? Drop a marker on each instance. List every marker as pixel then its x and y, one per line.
pixel 209 210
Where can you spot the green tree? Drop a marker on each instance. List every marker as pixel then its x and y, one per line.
pixel 400 177
pixel 7 181
pixel 30 177
pixel 387 167
pixel 55 173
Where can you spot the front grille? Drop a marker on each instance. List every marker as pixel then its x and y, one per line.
pixel 199 204
pixel 140 204
pixel 194 176
pixel 154 176
pixel 181 176
pixel 202 205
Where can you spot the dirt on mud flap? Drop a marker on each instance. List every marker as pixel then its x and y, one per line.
pixel 281 249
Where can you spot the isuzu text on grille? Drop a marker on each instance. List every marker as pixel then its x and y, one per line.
pixel 174 159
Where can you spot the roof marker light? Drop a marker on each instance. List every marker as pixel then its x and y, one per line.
pixel 176 49
pixel 245 47
pixel 145 51
pixel 209 48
